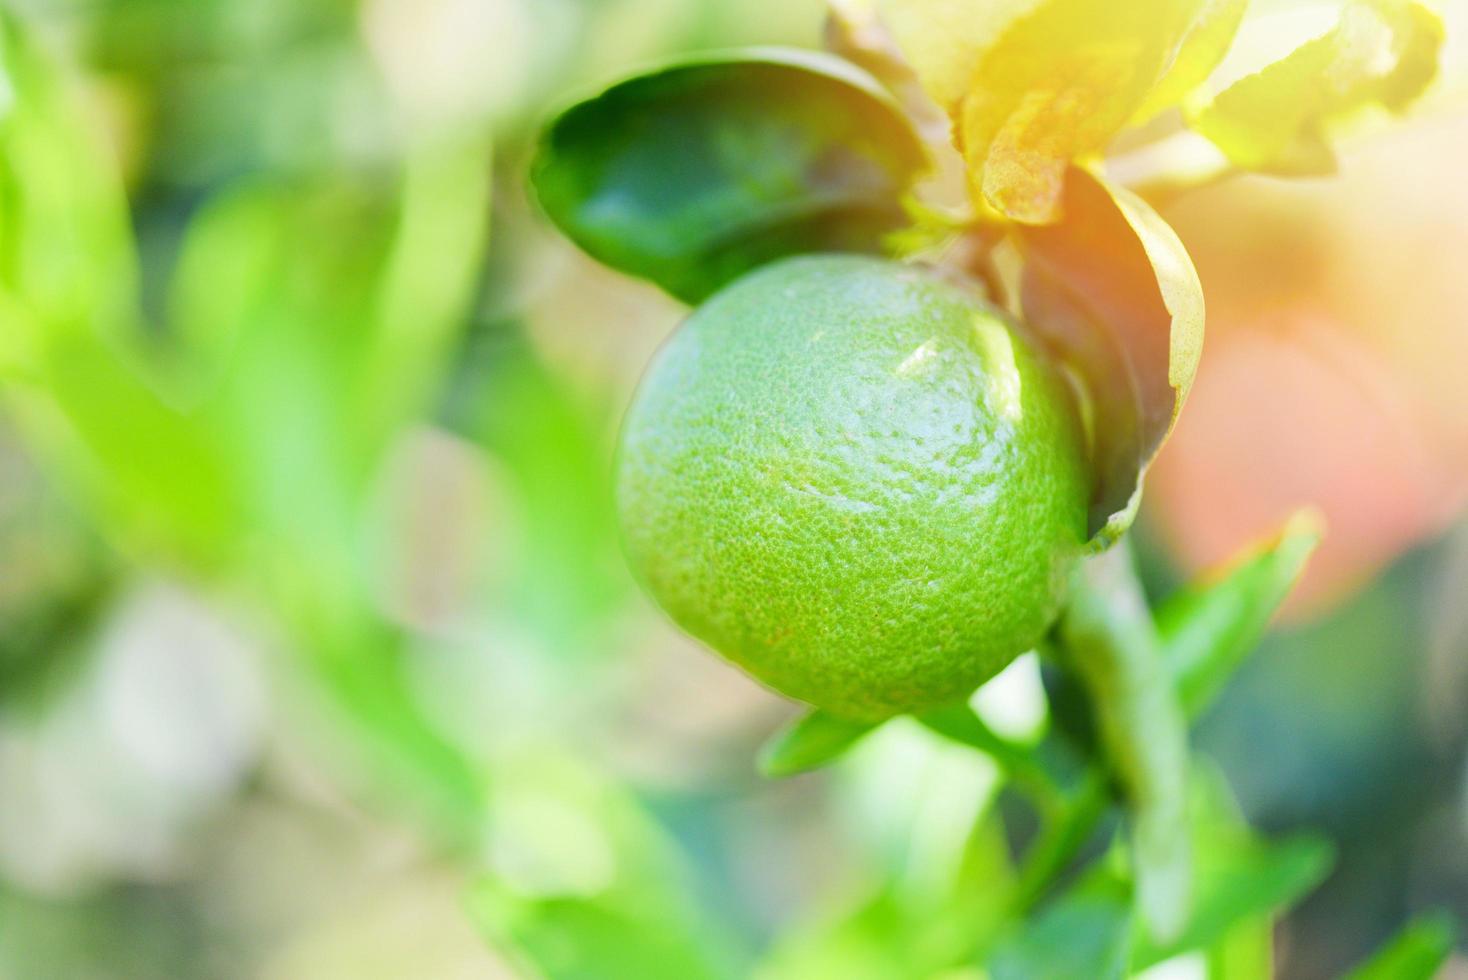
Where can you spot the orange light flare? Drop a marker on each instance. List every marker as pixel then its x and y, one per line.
pixel 1333 372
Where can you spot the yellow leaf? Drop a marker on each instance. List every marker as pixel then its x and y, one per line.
pixel 1204 47
pixel 1032 85
pixel 1381 52
pixel 946 39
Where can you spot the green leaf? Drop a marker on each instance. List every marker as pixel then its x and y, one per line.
pixel 586 886
pixel 1242 883
pixel 1417 953
pixel 1111 290
pixel 289 297
pixel 813 740
pixel 1084 933
pixel 695 173
pixel 1239 883
pixel 1246 952
pixel 85 396
pixel 1381 52
pixel 1210 627
pixel 582 939
pixel 936 856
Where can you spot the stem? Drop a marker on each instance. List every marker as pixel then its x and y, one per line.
pixel 1059 842
pixel 1111 643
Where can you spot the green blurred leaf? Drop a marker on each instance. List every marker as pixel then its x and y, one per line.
pixel 1084 933
pixel 1022 763
pixel 291 298
pixel 581 939
pixel 587 886
pixel 1240 882
pixel 360 676
pixel 551 439
pixel 1246 952
pixel 913 924
pixel 1417 952
pixel 86 395
pixel 1381 52
pixel 1111 290
pixel 1243 883
pixel 813 740
pixel 692 174
pixel 1210 627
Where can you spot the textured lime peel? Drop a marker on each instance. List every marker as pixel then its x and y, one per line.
pixel 857 481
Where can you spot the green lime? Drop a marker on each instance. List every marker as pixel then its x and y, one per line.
pixel 857 481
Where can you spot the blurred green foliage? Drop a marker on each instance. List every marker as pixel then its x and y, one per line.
pixel 269 332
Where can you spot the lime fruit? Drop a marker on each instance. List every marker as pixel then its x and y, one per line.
pixel 857 481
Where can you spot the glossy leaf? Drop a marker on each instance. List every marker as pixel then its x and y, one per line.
pixel 695 173
pixel 1209 628
pixel 1033 85
pixel 1111 290
pixel 813 740
pixel 1417 953
pixel 1381 52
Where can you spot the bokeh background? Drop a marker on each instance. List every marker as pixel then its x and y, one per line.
pixel 312 617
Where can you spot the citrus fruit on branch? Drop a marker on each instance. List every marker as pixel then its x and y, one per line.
pixel 856 480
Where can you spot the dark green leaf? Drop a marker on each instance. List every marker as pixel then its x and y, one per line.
pixel 1208 629
pixel 813 740
pixel 693 174
pixel 1417 953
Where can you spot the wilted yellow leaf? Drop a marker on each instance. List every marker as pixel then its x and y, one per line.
pixel 1381 52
